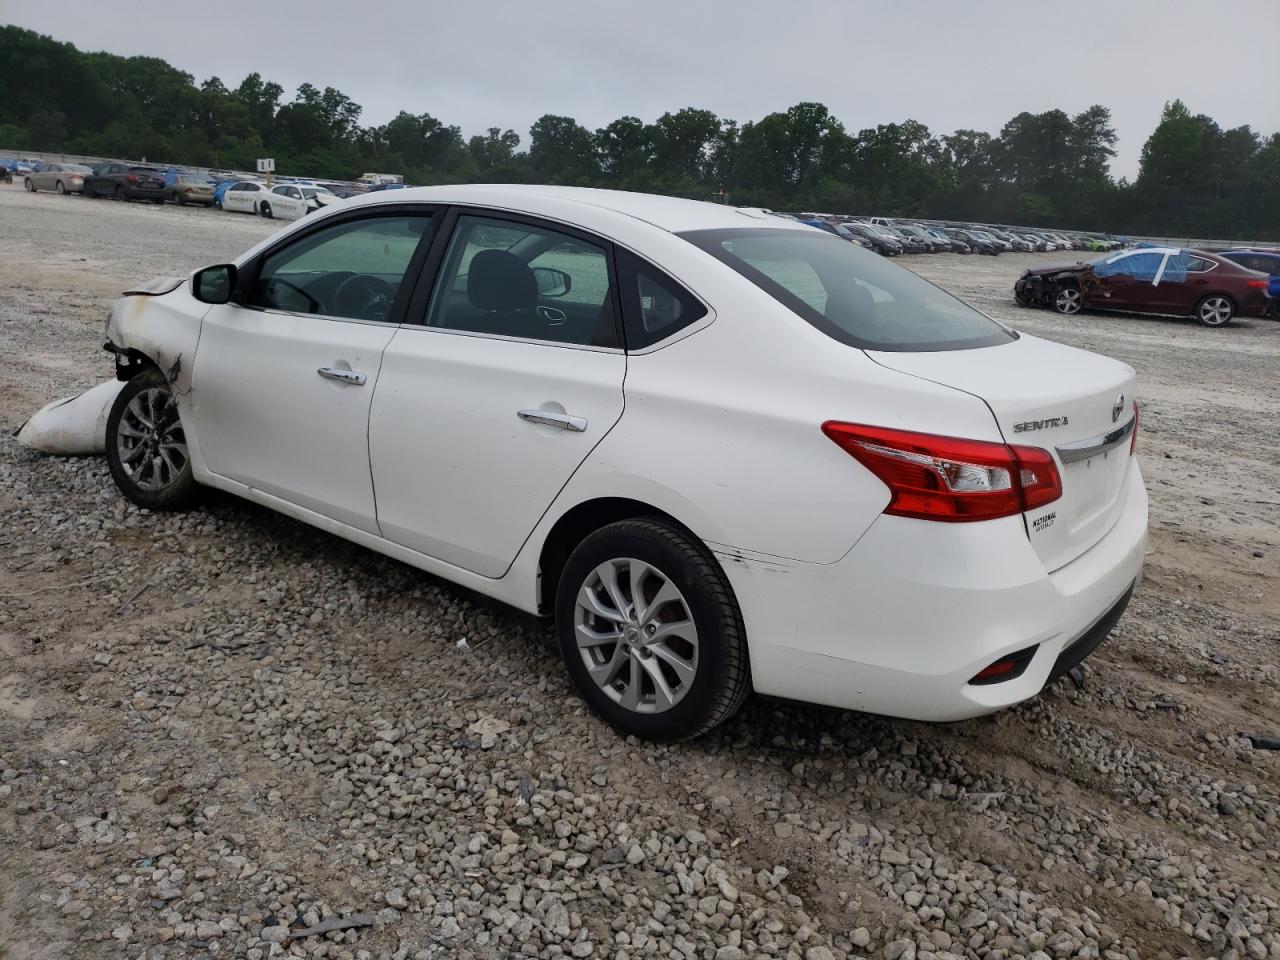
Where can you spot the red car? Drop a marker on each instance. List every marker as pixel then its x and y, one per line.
pixel 1162 280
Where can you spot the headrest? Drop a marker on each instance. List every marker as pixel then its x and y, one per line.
pixel 498 280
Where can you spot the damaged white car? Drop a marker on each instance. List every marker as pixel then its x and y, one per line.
pixel 725 451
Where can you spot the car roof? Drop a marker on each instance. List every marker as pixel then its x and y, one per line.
pixel 666 213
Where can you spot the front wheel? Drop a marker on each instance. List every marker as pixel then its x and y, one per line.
pixel 650 631
pixel 31 187
pixel 146 445
pixel 59 187
pixel 1068 301
pixel 1215 311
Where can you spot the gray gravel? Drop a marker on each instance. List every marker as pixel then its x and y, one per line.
pixel 226 734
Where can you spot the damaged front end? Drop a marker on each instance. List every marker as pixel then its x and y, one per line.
pixel 1041 288
pixel 151 325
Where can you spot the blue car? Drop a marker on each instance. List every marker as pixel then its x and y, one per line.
pixel 1264 261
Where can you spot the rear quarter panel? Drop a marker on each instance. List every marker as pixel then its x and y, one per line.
pixel 722 429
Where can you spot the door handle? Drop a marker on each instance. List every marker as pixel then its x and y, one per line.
pixel 354 377
pixel 549 418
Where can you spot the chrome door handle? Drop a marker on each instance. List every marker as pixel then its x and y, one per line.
pixel 343 376
pixel 549 418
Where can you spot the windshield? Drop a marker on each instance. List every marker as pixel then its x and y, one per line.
pixel 849 293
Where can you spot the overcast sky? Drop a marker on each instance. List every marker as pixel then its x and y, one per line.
pixel 963 64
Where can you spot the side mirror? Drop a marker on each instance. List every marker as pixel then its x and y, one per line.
pixel 552 282
pixel 214 284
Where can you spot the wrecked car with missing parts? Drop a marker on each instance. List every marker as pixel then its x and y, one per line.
pixel 632 414
pixel 1165 281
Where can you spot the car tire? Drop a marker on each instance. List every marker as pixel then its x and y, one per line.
pixel 147 448
pixel 119 194
pixel 1215 310
pixel 265 210
pixel 1068 301
pixel 60 188
pixel 31 187
pixel 701 676
pixel 1021 297
pixel 179 199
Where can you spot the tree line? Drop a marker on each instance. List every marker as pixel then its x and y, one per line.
pixel 1050 168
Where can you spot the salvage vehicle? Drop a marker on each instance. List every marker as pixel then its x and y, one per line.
pixel 954 244
pixel 1264 261
pixel 243 196
pixel 125 181
pixel 1169 281
pixel 881 242
pixel 59 177
pixel 976 242
pixel 187 188
pixel 557 397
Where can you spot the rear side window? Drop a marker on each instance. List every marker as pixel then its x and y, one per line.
pixel 653 305
pixel 849 293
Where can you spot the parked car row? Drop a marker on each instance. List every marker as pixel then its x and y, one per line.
pixel 894 236
pixel 1169 281
pixel 287 200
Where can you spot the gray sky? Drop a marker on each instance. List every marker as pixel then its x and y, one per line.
pixel 971 63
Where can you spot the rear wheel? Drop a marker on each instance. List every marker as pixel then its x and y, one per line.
pixel 59 187
pixel 1215 310
pixel 147 448
pixel 179 198
pixel 1068 300
pixel 119 194
pixel 265 209
pixel 650 631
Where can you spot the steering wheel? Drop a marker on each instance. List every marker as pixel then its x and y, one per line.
pixel 363 297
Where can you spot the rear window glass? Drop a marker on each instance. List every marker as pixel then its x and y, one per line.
pixel 849 293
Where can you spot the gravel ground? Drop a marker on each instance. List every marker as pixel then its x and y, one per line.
pixel 224 733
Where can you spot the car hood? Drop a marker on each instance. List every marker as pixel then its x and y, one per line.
pixel 1055 270
pixel 155 287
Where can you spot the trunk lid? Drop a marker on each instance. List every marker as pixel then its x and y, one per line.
pixel 1055 397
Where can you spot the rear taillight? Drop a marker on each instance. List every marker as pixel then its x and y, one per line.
pixel 1133 437
pixel 948 478
pixel 132 177
pixel 1258 284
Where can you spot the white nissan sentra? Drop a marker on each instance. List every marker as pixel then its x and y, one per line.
pixel 727 452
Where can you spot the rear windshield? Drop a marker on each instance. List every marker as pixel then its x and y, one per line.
pixel 850 293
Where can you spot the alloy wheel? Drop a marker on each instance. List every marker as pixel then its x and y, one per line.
pixel 1215 311
pixel 1068 301
pixel 636 635
pixel 150 442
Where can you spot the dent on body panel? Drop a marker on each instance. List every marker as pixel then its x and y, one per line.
pixel 161 328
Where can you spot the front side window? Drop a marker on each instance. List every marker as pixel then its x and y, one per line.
pixel 849 293
pixel 510 279
pixel 352 270
pixel 1140 266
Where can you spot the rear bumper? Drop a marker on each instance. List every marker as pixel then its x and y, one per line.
pixel 146 193
pixel 905 620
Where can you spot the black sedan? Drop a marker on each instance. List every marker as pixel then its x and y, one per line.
pixel 125 181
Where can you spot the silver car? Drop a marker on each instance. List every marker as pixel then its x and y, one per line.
pixel 59 177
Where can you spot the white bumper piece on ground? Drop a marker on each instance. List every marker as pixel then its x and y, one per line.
pixel 72 426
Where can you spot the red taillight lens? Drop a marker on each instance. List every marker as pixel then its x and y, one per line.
pixel 948 478
pixel 1258 284
pixel 132 177
pixel 1133 438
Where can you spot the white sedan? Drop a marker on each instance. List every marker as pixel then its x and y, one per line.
pixel 243 197
pixel 726 452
